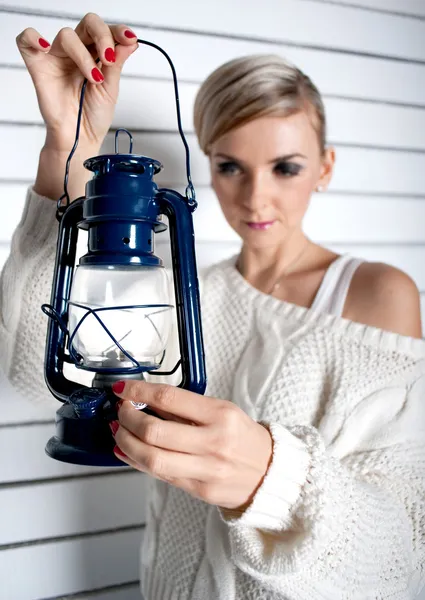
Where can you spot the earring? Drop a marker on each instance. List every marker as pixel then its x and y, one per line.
pixel 320 188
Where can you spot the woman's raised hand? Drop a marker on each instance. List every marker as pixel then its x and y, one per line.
pixel 58 70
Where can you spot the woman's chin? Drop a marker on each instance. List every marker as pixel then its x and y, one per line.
pixel 259 244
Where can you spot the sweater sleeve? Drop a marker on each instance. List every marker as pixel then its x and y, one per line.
pixel 25 284
pixel 347 520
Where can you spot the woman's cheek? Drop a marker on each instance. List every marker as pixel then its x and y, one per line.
pixel 231 214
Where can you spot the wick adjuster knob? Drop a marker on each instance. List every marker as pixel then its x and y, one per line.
pixel 87 401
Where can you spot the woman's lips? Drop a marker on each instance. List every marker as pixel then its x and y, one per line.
pixel 260 225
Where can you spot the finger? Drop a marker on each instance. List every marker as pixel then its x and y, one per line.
pixel 93 30
pixel 163 464
pixel 32 45
pixel 126 45
pixel 113 73
pixel 169 435
pixel 124 458
pixel 113 44
pixel 68 44
pixel 169 417
pixel 196 488
pixel 94 33
pixel 176 401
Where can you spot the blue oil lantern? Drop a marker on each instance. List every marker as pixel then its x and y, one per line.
pixel 112 313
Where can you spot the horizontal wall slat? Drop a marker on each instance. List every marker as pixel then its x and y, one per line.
pixel 17 408
pixel 87 505
pixel 358 170
pixel 12 196
pixel 150 105
pixel 294 22
pixel 123 592
pixel 408 7
pixel 357 76
pixel 4 253
pixel 423 313
pixel 70 566
pixel 24 459
pixel 330 217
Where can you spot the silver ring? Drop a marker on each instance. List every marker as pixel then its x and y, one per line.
pixel 139 405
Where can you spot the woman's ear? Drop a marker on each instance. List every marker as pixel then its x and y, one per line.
pixel 327 168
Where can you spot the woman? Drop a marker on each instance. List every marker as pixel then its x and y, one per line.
pixel 301 473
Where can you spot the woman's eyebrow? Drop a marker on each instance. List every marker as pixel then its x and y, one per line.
pixel 226 156
pixel 274 160
pixel 286 157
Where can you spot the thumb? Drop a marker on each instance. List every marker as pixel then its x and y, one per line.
pixel 112 73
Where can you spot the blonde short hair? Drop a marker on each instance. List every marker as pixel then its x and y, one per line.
pixel 255 86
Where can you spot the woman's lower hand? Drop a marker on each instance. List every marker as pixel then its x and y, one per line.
pixel 208 447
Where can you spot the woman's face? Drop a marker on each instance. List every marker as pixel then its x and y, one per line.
pixel 264 173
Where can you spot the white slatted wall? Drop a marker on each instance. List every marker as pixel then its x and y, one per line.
pixel 68 530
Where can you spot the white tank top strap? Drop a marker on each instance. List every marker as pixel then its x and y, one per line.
pixel 333 290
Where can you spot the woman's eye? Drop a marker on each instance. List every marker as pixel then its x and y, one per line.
pixel 287 169
pixel 228 168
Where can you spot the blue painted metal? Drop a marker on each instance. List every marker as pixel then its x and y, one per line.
pixel 61 387
pixel 186 290
pixel 84 441
pixel 120 207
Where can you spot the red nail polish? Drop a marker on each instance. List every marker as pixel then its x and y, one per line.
pixel 129 34
pixel 110 55
pixel 118 387
pixel 43 43
pixel 114 426
pixel 118 451
pixel 97 75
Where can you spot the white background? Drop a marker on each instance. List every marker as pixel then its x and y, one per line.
pixel 67 530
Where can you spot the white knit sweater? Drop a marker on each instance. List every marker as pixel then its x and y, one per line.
pixel 341 512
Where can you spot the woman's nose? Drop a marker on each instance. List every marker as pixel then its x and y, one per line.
pixel 257 192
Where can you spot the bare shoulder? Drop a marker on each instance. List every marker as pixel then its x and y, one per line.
pixel 383 296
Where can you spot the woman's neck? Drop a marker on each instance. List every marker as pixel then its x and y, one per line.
pixel 265 267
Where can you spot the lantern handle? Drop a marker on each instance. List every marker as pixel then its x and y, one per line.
pixel 190 190
pixel 116 139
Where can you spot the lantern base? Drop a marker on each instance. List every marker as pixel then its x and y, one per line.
pixel 77 456
pixel 83 440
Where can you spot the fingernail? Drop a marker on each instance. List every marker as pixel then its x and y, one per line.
pixel 118 451
pixel 118 387
pixel 129 34
pixel 110 55
pixel 43 43
pixel 97 75
pixel 114 426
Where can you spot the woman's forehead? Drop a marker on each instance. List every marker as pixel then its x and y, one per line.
pixel 267 138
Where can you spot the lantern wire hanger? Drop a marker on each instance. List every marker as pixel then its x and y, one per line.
pixel 190 190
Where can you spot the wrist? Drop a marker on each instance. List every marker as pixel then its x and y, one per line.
pixel 273 505
pixel 51 171
pixel 54 143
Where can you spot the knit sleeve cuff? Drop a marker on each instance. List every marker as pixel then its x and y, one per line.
pixel 275 499
pixel 38 221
